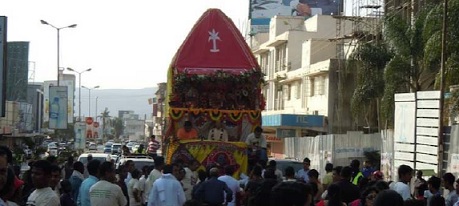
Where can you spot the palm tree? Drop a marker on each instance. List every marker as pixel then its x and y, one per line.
pixel 433 32
pixel 118 125
pixel 368 62
pixel 407 71
pixel 104 115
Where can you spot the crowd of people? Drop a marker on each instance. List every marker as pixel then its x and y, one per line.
pixel 190 183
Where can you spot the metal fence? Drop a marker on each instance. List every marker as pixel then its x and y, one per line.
pixel 338 149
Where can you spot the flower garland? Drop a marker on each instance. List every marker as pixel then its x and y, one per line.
pixel 235 116
pixel 219 90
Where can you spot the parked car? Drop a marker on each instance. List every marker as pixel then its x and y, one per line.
pixel 92 146
pixel 116 148
pixel 284 163
pixel 139 161
pixel 108 148
pixel 83 158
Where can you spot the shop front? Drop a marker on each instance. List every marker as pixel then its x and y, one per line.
pixel 277 127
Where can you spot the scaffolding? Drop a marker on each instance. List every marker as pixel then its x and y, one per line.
pixel 365 21
pixel 31 72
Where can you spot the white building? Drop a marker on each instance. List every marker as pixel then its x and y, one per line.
pixel 134 129
pixel 301 67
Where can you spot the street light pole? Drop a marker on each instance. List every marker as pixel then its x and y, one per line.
pixel 79 89
pixel 97 99
pixel 58 29
pixel 89 89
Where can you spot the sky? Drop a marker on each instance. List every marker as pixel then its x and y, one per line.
pixel 127 44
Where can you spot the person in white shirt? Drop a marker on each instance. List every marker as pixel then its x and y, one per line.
pixel 142 181
pixel 273 164
pixel 457 192
pixel 256 141
pixel 448 182
pixel 190 178
pixel 290 175
pixel 154 175
pixel 130 165
pixel 218 133
pixel 232 183
pixel 104 192
pixel 134 189
pixel 55 179
pixel 167 190
pixel 43 194
pixel 405 173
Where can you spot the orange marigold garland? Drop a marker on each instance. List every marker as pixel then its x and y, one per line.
pixel 215 115
pixel 235 116
pixel 176 114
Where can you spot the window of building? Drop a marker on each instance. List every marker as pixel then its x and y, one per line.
pixel 298 90
pixel 286 92
pixel 312 86
pixel 321 86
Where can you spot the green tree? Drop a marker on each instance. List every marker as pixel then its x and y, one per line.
pixel 118 127
pixel 368 62
pixel 407 71
pixel 433 32
pixel 105 115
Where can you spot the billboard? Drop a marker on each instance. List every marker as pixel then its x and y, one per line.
pixel 58 107
pixel 89 128
pixel 80 137
pixel 70 83
pixel 3 20
pixel 261 11
pixel 70 97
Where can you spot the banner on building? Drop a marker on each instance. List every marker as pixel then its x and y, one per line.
pixel 70 84
pixel 80 138
pixel 3 20
pixel 58 102
pixel 261 11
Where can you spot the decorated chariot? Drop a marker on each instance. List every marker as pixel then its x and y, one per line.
pixel 213 77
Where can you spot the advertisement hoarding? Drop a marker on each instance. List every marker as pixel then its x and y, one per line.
pixel 261 11
pixel 3 20
pixel 70 84
pixel 89 128
pixel 80 137
pixel 96 130
pixel 71 96
pixel 58 107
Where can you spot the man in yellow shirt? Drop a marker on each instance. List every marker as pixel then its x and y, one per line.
pixel 187 132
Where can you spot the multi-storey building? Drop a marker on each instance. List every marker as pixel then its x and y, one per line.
pixel 17 71
pixel 302 74
pixel 159 111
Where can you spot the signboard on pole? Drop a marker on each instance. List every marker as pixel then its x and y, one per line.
pixel 58 107
pixel 89 128
pixel 70 92
pixel 80 138
pixel 96 130
pixel 69 83
pixel 3 20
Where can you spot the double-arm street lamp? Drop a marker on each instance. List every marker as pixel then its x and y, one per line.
pixel 79 89
pixel 58 29
pixel 89 89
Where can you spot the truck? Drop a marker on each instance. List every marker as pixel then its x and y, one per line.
pixel 213 77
